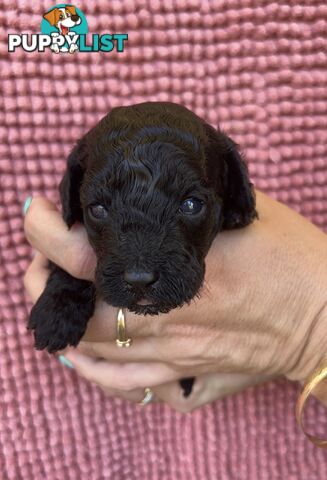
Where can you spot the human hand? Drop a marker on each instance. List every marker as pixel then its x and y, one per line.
pixel 268 319
pixel 206 388
pixel 105 374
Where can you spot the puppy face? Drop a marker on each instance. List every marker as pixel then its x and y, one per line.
pixel 63 18
pixel 150 218
pixel 153 184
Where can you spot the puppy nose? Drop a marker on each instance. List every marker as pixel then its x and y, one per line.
pixel 75 18
pixel 139 278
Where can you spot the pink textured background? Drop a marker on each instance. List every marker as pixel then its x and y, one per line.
pixel 257 67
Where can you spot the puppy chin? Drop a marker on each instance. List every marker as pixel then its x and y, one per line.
pixel 150 303
pixel 150 309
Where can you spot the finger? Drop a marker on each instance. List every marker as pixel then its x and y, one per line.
pixel 141 350
pixel 145 347
pixel 217 386
pixel 36 276
pixel 120 376
pixel 47 232
pixel 148 349
pixel 172 394
pixel 207 388
pixel 151 338
pixel 103 324
pixel 135 396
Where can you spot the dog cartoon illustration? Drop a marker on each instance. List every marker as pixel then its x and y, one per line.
pixel 63 19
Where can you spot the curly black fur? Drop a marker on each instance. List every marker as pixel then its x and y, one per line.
pixel 140 162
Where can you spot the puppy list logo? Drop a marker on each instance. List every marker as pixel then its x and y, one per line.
pixel 63 29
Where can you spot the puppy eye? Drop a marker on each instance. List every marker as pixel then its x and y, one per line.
pixel 61 16
pixel 98 212
pixel 191 206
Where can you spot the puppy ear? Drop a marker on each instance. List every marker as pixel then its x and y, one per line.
pixel 70 186
pixel 232 184
pixel 51 16
pixel 71 9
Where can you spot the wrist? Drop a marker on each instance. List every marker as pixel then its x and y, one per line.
pixel 312 351
pixel 308 341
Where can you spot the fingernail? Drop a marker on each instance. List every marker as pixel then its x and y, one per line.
pixel 187 385
pixel 65 361
pixel 27 204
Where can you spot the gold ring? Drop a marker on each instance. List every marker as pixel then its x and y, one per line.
pixel 122 341
pixel 318 376
pixel 148 397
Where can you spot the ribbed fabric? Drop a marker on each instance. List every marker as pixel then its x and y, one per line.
pixel 256 67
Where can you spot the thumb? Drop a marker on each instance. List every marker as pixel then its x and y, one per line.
pixel 173 394
pixel 206 389
pixel 47 232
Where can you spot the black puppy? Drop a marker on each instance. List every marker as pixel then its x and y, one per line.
pixel 153 184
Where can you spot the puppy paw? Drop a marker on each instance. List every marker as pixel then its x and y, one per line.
pixel 73 48
pixel 58 320
pixel 54 48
